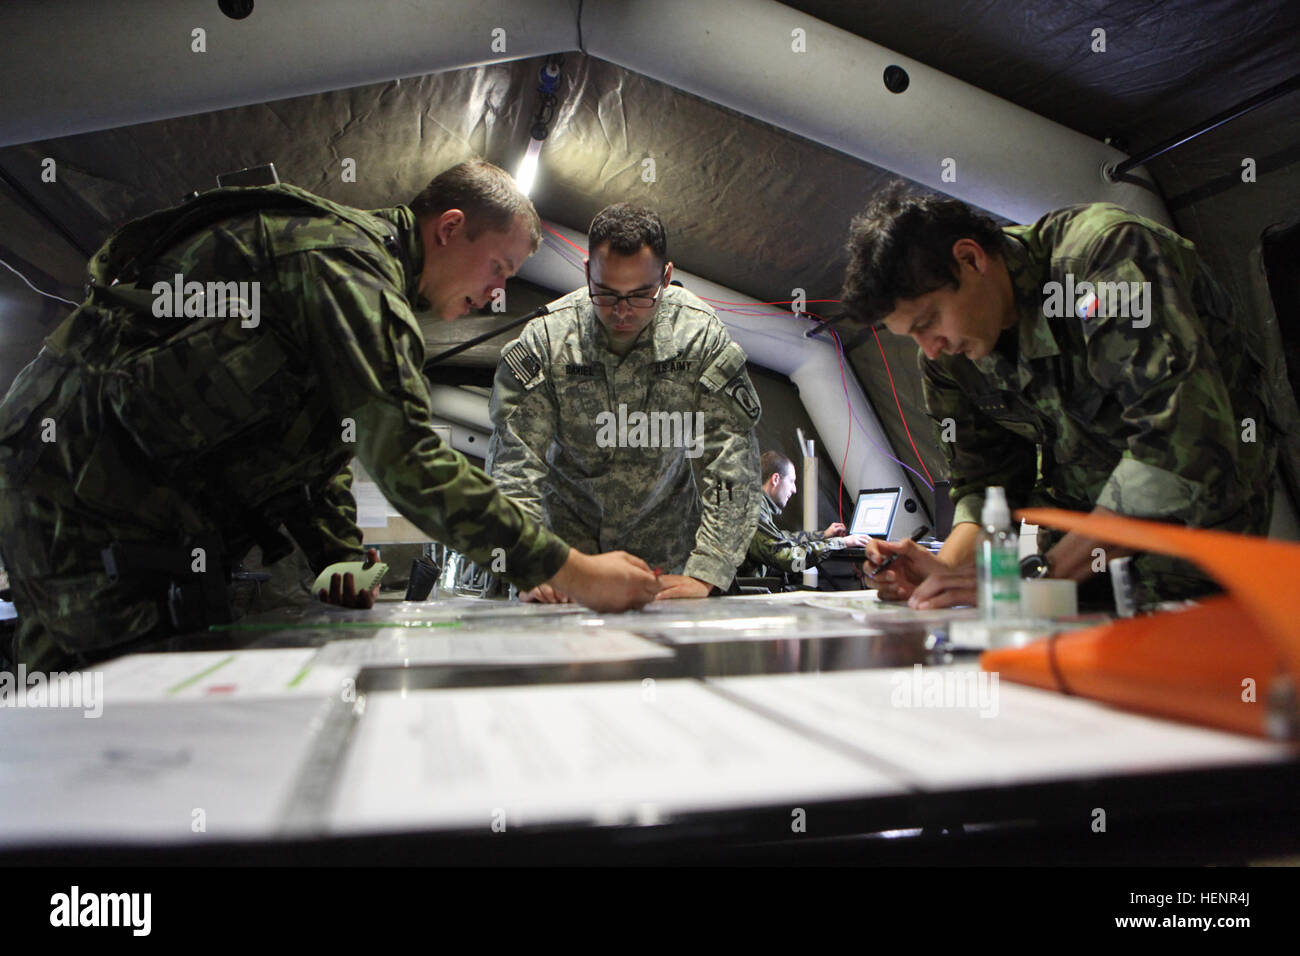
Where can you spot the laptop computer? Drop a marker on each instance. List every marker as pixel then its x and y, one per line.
pixel 874 512
pixel 873 516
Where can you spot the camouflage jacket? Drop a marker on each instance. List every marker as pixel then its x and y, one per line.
pixel 1134 392
pixel 176 415
pixel 774 550
pixel 602 448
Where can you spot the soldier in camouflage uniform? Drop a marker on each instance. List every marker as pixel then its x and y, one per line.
pixel 774 551
pixel 1087 361
pixel 177 421
pixel 601 408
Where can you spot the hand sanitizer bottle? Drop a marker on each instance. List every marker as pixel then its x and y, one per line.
pixel 997 564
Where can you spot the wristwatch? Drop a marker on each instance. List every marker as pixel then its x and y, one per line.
pixel 1034 566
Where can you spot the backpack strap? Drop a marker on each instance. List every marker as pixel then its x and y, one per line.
pixel 126 254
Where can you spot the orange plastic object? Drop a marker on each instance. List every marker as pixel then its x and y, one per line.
pixel 1217 663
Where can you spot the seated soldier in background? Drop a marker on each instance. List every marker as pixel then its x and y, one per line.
pixel 233 355
pixel 773 551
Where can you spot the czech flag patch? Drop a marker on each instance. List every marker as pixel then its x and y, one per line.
pixel 1087 306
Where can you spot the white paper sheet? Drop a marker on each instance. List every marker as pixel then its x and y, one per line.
pixel 602 752
pixel 511 609
pixel 867 606
pixel 862 600
pixel 753 627
pixel 1033 734
pixel 445 612
pixel 560 645
pixel 372 506
pixel 166 772
pixel 781 597
pixel 288 672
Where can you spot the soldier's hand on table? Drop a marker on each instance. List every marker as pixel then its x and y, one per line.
pixel 900 579
pixel 343 589
pixel 680 586
pixel 616 581
pixel 836 530
pixel 944 588
pixel 545 594
pixel 856 540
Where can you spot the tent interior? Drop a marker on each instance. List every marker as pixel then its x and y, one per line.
pixel 751 204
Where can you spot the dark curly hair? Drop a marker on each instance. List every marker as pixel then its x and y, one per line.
pixel 900 248
pixel 627 228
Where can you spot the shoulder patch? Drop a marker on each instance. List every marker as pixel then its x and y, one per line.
pixel 1086 307
pixel 729 363
pixel 726 374
pixel 740 392
pixel 522 365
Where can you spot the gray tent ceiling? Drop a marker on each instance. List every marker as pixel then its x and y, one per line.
pixel 747 205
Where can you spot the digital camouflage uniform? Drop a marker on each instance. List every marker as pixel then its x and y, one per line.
pixel 547 453
pixel 170 431
pixel 1098 409
pixel 774 551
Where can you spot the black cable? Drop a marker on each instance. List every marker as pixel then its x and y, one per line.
pixel 479 339
pixel 825 324
pixel 1241 109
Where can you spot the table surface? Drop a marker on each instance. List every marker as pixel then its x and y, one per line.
pixel 805 725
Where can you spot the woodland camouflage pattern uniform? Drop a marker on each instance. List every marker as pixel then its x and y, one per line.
pixel 559 375
pixel 173 431
pixel 775 550
pixel 1146 421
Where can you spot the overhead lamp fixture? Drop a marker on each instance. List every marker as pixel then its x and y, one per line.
pixel 548 81
pixel 528 166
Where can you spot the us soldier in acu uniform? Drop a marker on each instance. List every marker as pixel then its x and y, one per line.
pixel 1088 361
pixel 601 408
pixel 159 433
pixel 773 549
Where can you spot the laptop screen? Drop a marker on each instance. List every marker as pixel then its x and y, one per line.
pixel 874 513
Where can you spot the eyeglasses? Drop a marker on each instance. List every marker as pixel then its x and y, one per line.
pixel 610 300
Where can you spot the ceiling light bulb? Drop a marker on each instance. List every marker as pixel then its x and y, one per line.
pixel 528 167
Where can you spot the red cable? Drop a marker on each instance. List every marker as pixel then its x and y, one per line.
pixel 839 495
pixel 564 238
pixel 778 302
pixel 901 416
pixel 839 352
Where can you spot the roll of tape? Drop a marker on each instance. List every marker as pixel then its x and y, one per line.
pixel 1048 598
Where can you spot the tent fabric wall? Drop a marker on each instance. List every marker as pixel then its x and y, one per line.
pixel 1165 65
pixel 1226 217
pixel 748 204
